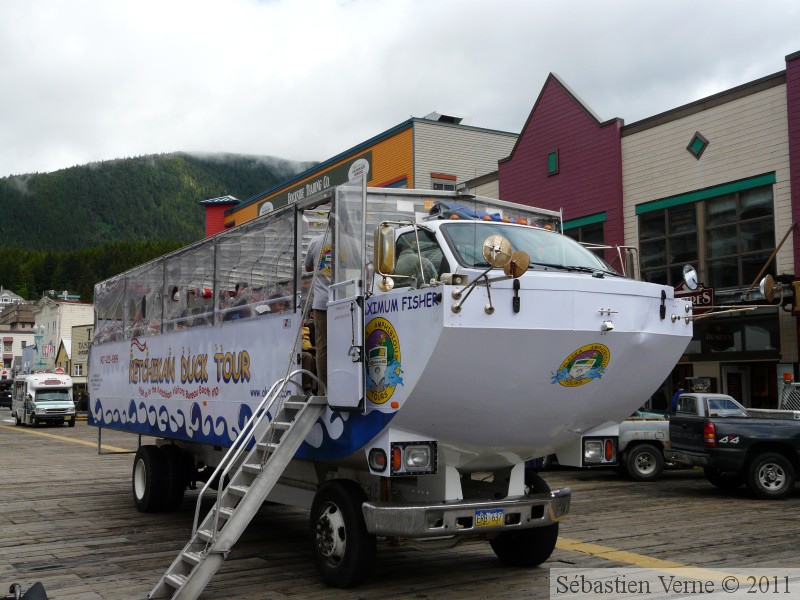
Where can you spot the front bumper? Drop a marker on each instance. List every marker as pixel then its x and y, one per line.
pixel 54 416
pixel 466 517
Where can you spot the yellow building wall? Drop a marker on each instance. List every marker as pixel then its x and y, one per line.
pixel 392 160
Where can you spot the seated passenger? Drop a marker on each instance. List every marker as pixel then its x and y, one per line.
pixel 408 265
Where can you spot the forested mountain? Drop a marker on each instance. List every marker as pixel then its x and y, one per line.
pixel 68 229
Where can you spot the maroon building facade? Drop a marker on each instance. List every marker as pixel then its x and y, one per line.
pixel 566 158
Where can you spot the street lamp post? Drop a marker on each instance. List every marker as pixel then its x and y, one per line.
pixel 38 335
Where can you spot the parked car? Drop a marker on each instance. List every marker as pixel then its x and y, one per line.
pixel 5 399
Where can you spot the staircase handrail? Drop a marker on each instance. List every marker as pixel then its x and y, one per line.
pixel 240 443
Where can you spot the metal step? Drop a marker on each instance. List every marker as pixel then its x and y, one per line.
pixel 223 525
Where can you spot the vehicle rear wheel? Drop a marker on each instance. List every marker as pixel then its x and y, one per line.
pixel 770 476
pixel 527 547
pixel 723 480
pixel 343 549
pixel 176 476
pixel 644 462
pixel 148 479
pixel 17 420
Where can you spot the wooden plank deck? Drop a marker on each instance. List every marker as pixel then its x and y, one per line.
pixel 67 519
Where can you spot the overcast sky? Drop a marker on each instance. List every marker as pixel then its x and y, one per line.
pixel 90 80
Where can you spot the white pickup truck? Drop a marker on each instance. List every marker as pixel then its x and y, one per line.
pixel 643 438
pixel 637 447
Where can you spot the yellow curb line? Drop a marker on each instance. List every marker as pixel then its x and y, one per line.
pixel 638 560
pixel 63 438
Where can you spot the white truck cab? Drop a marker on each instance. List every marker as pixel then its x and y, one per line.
pixel 43 398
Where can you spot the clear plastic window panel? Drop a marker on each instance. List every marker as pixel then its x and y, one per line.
pixel 143 303
pixel 109 299
pixel 255 269
pixel 188 292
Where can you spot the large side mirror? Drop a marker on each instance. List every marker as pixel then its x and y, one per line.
pixel 384 259
pixel 690 277
pixel 497 250
pixel 769 287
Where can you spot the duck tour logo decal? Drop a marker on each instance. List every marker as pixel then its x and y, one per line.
pixel 586 363
pixel 383 360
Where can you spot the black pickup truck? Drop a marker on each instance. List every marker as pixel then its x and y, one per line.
pixel 735 445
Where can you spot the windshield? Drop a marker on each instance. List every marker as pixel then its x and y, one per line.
pixel 545 248
pixel 52 395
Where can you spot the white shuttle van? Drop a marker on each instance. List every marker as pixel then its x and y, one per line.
pixel 43 398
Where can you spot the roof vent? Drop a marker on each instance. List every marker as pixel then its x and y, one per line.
pixel 435 116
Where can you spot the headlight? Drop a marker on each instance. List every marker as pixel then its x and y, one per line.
pixel 599 451
pixel 592 451
pixel 413 458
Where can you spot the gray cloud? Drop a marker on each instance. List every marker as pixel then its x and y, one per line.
pixel 96 80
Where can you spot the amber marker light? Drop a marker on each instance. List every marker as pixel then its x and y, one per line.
pixel 397 459
pixel 395 404
pixel 609 450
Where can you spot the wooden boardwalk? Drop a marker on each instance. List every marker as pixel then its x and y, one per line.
pixel 67 519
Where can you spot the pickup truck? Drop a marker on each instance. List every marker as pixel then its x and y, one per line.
pixel 642 441
pixel 736 445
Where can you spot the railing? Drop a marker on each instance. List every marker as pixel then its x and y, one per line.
pixel 242 440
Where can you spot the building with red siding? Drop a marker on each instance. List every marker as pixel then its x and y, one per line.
pixel 714 183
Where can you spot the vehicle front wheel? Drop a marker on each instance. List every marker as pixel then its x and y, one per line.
pixel 770 476
pixel 148 479
pixel 343 549
pixel 645 462
pixel 71 422
pixel 723 480
pixel 527 547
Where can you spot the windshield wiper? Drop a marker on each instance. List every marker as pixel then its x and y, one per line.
pixel 574 268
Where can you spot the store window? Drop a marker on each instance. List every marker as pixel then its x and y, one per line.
pixel 728 237
pixel 667 241
pixel 590 235
pixel 740 237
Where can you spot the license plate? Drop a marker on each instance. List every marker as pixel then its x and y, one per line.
pixel 487 517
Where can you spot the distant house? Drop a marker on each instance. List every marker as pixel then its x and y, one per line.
pixel 9 297
pixel 57 318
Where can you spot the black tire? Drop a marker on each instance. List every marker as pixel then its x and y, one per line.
pixel 17 420
pixel 148 479
pixel 176 476
pixel 723 480
pixel 770 476
pixel 34 421
pixel 71 422
pixel 527 547
pixel 644 462
pixel 343 549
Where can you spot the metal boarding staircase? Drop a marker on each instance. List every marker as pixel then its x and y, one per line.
pixel 276 441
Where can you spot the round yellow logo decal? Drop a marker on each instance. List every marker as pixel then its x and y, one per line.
pixel 586 363
pixel 383 360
